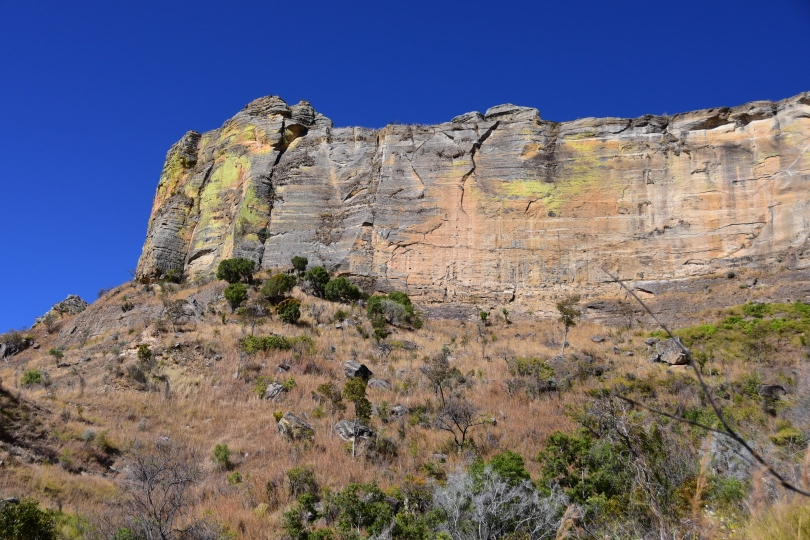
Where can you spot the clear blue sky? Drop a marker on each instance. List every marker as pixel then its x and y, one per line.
pixel 93 93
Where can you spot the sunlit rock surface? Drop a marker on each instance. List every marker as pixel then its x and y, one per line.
pixel 489 208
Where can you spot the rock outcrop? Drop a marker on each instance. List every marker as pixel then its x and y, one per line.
pixel 489 208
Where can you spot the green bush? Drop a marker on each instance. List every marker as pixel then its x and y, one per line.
pixel 317 277
pixel 530 367
pixel 394 308
pixel 341 290
pixel 756 310
pixel 299 264
pixel 144 353
pixel 302 481
pixel 26 521
pixel 234 478
pixel 236 270
pixel 235 294
pixel 31 377
pixel 289 310
pixel 222 456
pixel 278 287
pixel 252 344
pixel 400 298
pixel 57 353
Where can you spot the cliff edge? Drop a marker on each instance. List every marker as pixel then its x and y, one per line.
pixel 497 207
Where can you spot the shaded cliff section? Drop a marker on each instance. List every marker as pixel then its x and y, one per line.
pixel 493 208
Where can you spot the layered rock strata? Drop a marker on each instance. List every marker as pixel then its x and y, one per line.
pixel 489 208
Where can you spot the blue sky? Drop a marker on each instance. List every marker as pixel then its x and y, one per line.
pixel 93 93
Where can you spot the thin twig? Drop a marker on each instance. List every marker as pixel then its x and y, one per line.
pixel 727 431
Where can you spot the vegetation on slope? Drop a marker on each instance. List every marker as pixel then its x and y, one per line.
pixel 465 429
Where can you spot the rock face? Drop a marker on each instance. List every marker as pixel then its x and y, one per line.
pixel 71 305
pixel 489 208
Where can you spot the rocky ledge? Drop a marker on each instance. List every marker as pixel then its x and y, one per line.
pixel 490 208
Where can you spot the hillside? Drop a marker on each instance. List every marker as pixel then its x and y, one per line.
pixel 167 370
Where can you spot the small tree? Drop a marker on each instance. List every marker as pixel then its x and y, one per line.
pixel 355 391
pixel 341 290
pixel 300 264
pixel 317 277
pixel 25 520
pixel 236 270
pixel 235 294
pixel 437 370
pixel 568 315
pixel 156 489
pixel 278 287
pixel 289 311
pixel 333 396
pixel 458 416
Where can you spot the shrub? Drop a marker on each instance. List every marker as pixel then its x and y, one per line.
pixel 289 310
pixel 394 312
pixel 756 310
pixel 252 344
pixel 525 367
pixel 26 521
pixel 236 270
pixel 400 298
pixel 222 456
pixel 341 290
pixel 302 481
pixel 144 353
pixel 235 294
pixel 57 353
pixel 278 287
pixel 234 478
pixel 173 276
pixel 299 264
pixel 317 277
pixel 31 377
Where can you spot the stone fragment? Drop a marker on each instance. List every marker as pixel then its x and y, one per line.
pixel 670 352
pixel 399 411
pixel 598 339
pixel 353 368
pixel 380 384
pixel 293 428
pixel 348 429
pixel 649 342
pixel 273 390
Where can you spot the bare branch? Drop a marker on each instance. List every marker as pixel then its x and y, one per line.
pixel 727 430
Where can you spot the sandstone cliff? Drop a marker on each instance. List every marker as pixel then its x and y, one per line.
pixel 490 208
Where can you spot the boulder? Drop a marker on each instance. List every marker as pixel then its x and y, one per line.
pixel 649 342
pixel 294 428
pixel 671 352
pixel 14 345
pixel 597 339
pixel 379 384
pixel 399 411
pixel 347 430
pixel 772 391
pixel 273 390
pixel 353 368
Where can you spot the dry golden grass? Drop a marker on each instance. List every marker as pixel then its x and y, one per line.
pixel 205 405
